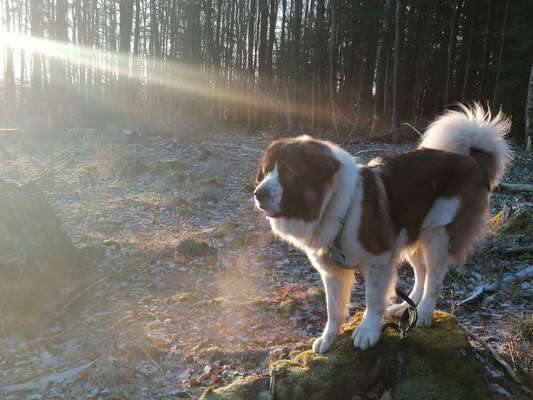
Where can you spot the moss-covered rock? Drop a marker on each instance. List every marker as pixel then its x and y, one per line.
pixel 251 387
pixel 431 363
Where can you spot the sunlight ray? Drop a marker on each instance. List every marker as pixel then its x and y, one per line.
pixel 187 80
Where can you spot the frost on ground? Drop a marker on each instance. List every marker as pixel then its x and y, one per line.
pixel 184 287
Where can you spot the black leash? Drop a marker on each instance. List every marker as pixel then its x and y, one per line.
pixel 408 318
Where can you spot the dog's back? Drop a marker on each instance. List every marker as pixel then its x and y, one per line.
pixel 439 194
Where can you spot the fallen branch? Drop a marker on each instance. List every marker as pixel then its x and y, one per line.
pixel 514 187
pixel 234 146
pixel 10 131
pixel 518 250
pixel 69 303
pixel 510 371
pixel 372 151
pixel 478 291
pixel 41 383
pixel 149 357
pixel 413 128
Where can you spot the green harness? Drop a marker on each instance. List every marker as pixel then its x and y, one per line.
pixel 334 252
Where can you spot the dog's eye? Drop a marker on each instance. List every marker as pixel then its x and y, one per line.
pixel 259 177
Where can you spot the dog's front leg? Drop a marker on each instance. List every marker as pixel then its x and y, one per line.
pixel 338 286
pixel 378 281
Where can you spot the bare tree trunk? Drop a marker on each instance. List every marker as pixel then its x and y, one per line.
pixel 251 65
pixel 36 31
pixel 9 72
pixel 125 28
pixel 485 48
pixel 529 111
pixel 467 63
pixel 451 42
pixel 500 54
pixel 397 44
pixel 380 67
pixel 332 77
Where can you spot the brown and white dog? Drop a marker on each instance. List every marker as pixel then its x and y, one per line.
pixel 428 205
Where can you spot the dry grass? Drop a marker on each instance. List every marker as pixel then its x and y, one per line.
pixel 524 328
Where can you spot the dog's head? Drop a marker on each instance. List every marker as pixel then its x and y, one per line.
pixel 293 177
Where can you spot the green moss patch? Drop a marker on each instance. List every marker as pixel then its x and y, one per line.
pixel 429 363
pixel 519 223
pixel 251 387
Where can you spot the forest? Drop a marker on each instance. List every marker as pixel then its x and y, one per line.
pixel 302 66
pixel 138 261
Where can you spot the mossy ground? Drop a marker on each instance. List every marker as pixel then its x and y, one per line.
pixel 519 223
pixel 429 363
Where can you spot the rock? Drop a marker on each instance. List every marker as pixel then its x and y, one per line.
pixel 164 166
pixel 191 248
pixel 429 363
pixel 111 243
pixel 132 168
pixel 526 273
pixel 92 252
pixel 182 297
pixel 213 182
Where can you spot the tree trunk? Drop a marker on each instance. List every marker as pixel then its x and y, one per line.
pixel 251 65
pixel 500 54
pixel 36 31
pixel 529 111
pixel 467 63
pixel 126 23
pixel 486 37
pixel 125 27
pixel 9 72
pixel 332 77
pixel 380 67
pixel 451 42
pixel 397 44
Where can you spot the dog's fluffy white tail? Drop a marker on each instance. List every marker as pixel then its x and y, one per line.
pixel 472 128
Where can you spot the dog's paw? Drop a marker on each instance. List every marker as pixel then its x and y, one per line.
pixel 425 315
pixel 323 343
pixel 396 310
pixel 366 335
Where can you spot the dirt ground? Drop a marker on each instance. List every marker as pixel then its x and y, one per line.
pixel 185 287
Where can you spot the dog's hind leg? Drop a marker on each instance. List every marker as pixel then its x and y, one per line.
pixel 416 259
pixel 338 286
pixel 437 262
pixel 379 282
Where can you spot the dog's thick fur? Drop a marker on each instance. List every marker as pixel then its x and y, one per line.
pixel 428 205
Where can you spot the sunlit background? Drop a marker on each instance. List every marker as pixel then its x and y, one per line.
pixel 310 65
pixel 134 127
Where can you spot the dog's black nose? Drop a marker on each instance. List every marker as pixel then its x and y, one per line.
pixel 261 194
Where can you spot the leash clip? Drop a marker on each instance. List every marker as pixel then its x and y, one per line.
pixel 408 318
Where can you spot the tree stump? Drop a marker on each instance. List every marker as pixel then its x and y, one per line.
pixel 39 265
pixel 430 363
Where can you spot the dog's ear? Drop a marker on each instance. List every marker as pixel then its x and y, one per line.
pixel 320 159
pixel 270 158
pixel 260 174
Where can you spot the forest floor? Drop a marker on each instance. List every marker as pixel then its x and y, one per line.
pixel 188 288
